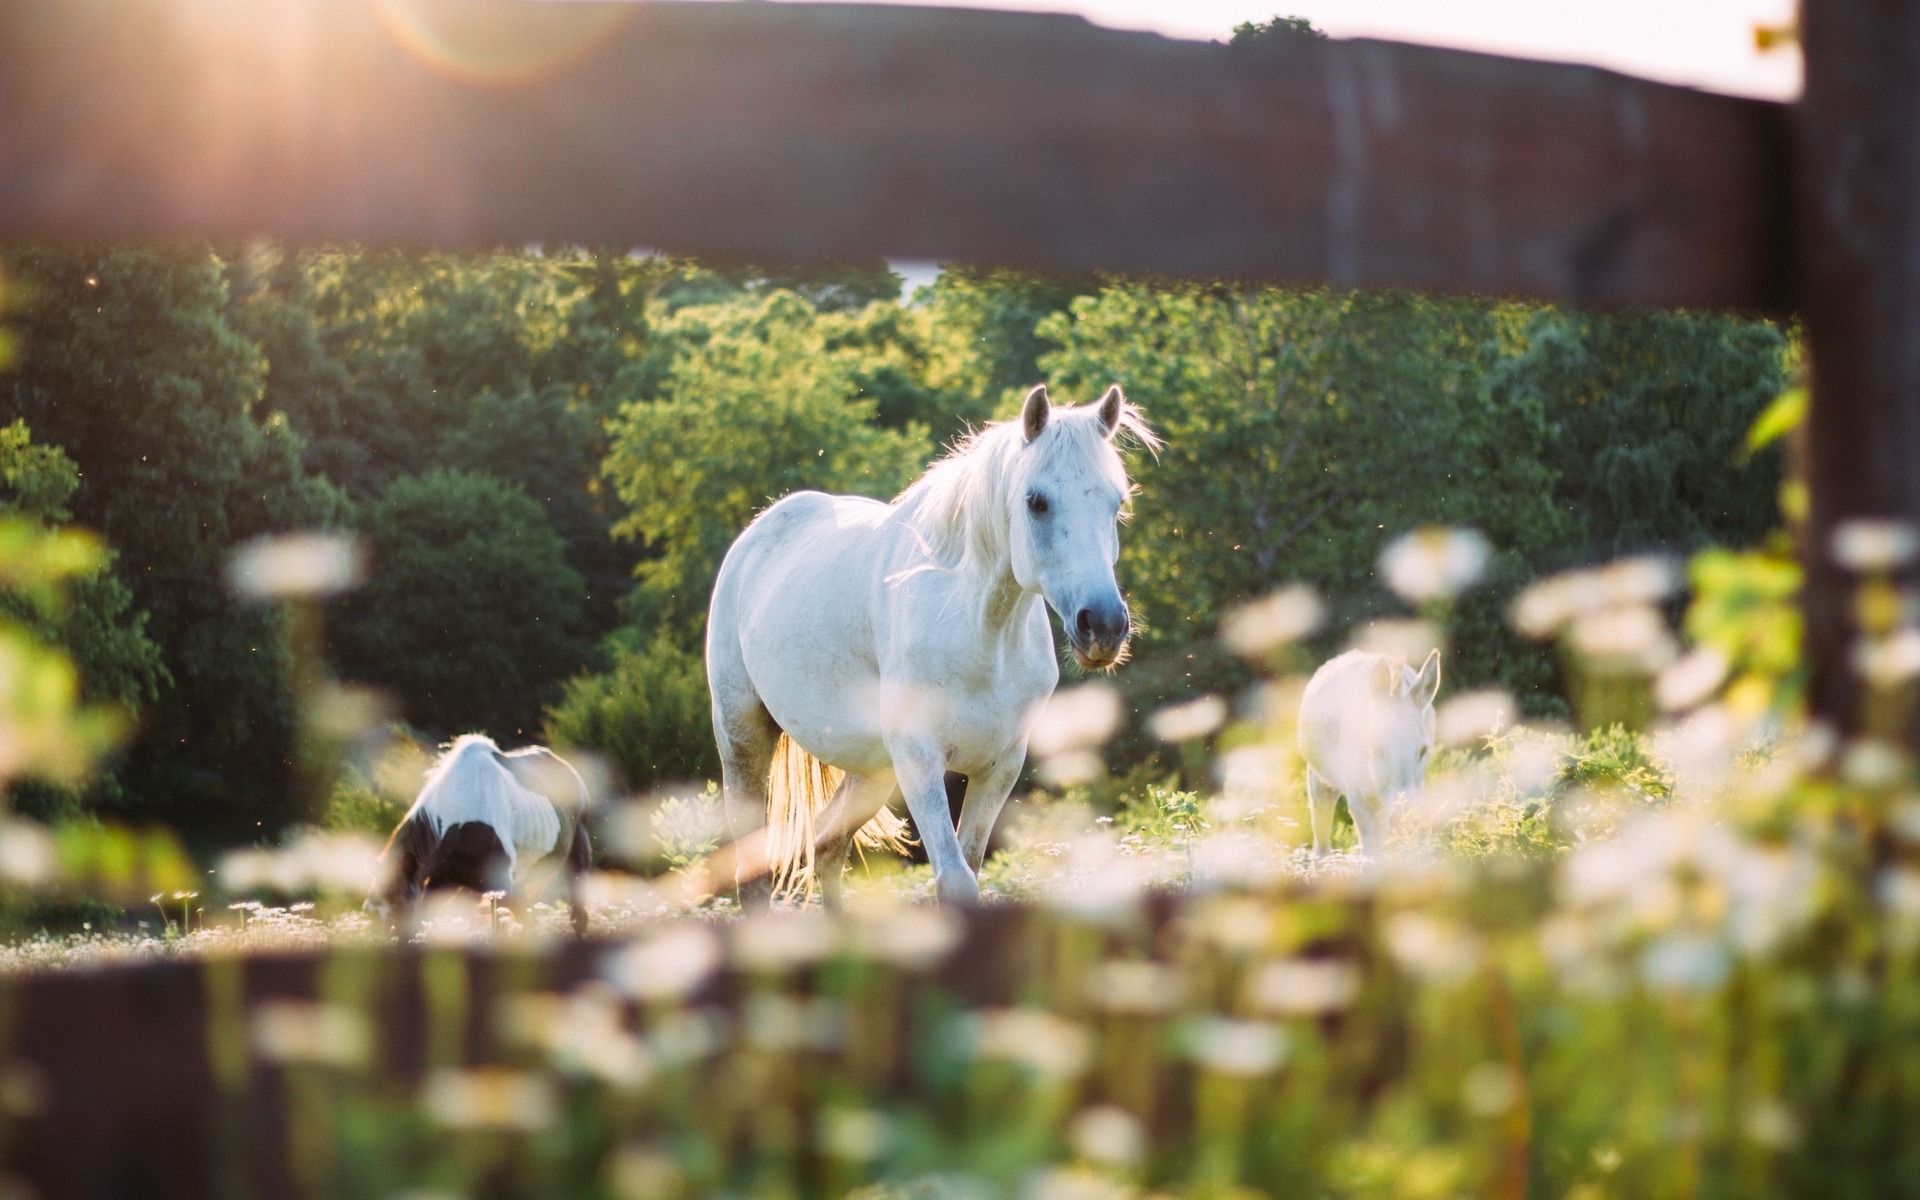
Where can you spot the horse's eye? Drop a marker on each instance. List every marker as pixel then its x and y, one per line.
pixel 1037 504
pixel 1423 754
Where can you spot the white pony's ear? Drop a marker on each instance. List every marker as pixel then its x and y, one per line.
pixel 1110 406
pixel 1034 414
pixel 1426 685
pixel 1384 679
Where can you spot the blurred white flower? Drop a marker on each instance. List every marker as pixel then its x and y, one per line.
pixel 1890 661
pixel 1489 1089
pixel 1874 764
pixel 1437 948
pixel 1874 544
pixel 1297 987
pixel 1185 722
pixel 27 855
pixel 1627 639
pixel 490 1098
pixel 1074 719
pixel 772 1021
pixel 1234 1047
pixel 1254 776
pixel 669 965
pixel 1273 621
pixel 1691 679
pixel 1543 609
pixel 583 1032
pixel 1898 889
pixel 299 564
pixel 1471 717
pixel 1770 1123
pixel 1071 768
pixel 1096 881
pixel 301 1031
pixel 1068 1183
pixel 1107 1135
pixel 1039 1040
pixel 1135 987
pixel 1684 962
pixel 1435 563
pixel 911 936
pixel 644 1173
pixel 779 941
pixel 1409 640
pixel 1237 858
pixel 854 1134
pixel 682 1037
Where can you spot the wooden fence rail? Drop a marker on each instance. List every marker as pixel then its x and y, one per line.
pixel 808 132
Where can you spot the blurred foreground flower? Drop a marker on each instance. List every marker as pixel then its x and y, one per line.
pixel 1435 563
pixel 299 564
pixel 1069 730
pixel 1186 722
pixel 666 966
pixel 1031 1037
pixel 1872 544
pixel 1546 608
pixel 1284 617
pixel 490 1098
pixel 299 1031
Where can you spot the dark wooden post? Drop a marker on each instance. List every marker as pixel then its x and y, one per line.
pixel 1859 203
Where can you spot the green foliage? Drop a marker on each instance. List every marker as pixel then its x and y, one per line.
pixel 132 368
pixel 357 806
pixel 751 407
pixel 1648 414
pixel 471 614
pixel 649 715
pixel 1278 30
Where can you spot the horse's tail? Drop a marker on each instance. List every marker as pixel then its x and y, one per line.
pixel 798 787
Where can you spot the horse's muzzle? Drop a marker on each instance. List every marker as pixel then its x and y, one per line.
pixel 1098 634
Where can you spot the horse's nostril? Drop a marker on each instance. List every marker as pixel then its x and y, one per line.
pixel 1083 623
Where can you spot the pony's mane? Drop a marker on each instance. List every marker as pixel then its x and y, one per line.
pixel 960 506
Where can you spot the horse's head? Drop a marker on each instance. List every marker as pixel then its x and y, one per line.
pixel 1065 537
pixel 1400 737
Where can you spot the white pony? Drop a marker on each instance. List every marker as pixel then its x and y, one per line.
pixel 482 819
pixel 1366 728
pixel 858 650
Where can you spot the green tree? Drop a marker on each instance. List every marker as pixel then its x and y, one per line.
pixel 93 623
pixel 471 614
pixel 752 407
pixel 1647 412
pixel 1304 431
pixel 132 368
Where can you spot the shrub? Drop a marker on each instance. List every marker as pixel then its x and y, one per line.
pixel 649 715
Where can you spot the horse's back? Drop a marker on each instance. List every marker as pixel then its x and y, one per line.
pixel 1333 715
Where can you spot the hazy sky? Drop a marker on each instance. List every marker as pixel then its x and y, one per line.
pixel 1705 43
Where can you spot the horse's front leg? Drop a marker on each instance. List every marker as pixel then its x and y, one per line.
pixel 986 796
pixel 921 767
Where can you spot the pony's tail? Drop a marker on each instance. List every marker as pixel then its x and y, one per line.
pixel 798 787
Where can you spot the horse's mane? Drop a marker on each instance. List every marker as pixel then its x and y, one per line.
pixel 960 506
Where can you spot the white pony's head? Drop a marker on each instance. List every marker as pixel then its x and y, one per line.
pixel 1068 488
pixel 1400 728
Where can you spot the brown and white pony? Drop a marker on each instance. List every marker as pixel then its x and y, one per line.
pixel 488 821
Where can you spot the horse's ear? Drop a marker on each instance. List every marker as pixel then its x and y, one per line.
pixel 1383 677
pixel 1034 414
pixel 1426 685
pixel 1110 406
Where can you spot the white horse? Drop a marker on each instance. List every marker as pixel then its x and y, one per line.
pixel 1366 729
pixel 858 650
pixel 485 819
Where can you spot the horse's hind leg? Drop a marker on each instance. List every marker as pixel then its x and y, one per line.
pixel 746 735
pixel 859 798
pixel 1320 801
